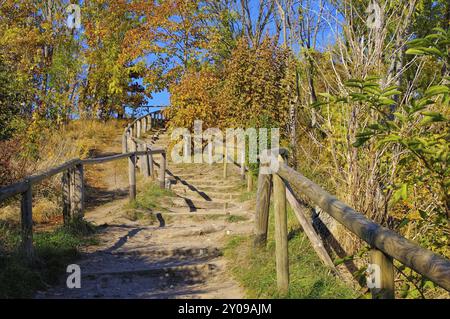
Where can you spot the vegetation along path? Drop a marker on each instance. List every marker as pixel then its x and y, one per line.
pixel 168 244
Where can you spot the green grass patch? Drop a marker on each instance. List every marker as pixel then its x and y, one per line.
pixel 309 278
pixel 246 195
pixel 236 218
pixel 54 251
pixel 150 196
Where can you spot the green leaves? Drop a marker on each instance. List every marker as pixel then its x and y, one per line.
pixel 434 44
pixel 401 193
pixel 437 90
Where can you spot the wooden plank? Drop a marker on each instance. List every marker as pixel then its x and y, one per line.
pixel 26 210
pixel 225 161
pixel 144 124
pixel 300 212
pixel 425 262
pixel 125 142
pixel 281 237
pixel 12 190
pixel 249 181
pixel 384 264
pixel 100 160
pixel 138 128
pixel 115 157
pixel 262 209
pixel 132 176
pixel 77 192
pixel 144 160
pixel 65 183
pixel 162 171
pixel 242 165
pixel 34 179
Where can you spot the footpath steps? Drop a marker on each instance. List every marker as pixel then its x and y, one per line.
pixel 181 257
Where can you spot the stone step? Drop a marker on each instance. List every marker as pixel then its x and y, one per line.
pixel 200 183
pixel 186 211
pixel 181 269
pixel 195 204
pixel 180 253
pixel 184 190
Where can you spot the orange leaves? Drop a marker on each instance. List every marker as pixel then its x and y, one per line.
pixel 248 91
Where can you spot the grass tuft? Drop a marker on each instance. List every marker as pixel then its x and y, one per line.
pixel 150 196
pixel 54 251
pixel 309 278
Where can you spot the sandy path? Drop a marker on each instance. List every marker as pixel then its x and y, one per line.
pixel 179 258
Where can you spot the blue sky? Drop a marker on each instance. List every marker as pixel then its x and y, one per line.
pixel 160 99
pixel 325 38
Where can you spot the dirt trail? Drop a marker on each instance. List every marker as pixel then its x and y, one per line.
pixel 179 258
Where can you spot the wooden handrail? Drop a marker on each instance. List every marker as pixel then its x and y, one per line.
pixel 385 244
pixel 424 261
pixel 73 185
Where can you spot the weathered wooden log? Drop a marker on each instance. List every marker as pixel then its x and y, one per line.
pixel 162 171
pixel 383 264
pixel 26 210
pixel 144 161
pixel 144 124
pixel 151 168
pixel 13 189
pixel 124 142
pixel 65 183
pixel 225 160
pixel 242 163
pixel 425 262
pixel 281 237
pixel 34 179
pixel 300 211
pixel 249 181
pixel 262 209
pixel 138 128
pixel 132 176
pixel 77 192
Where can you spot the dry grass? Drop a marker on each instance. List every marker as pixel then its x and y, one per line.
pixel 78 139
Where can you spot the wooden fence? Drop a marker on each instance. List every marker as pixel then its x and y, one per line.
pixel 385 244
pixel 73 184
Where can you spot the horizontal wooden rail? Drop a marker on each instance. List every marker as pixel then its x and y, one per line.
pixel 111 158
pixel 385 244
pixel 424 261
pixel 20 187
pixel 73 185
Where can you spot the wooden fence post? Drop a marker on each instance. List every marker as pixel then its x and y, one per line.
pixel 26 210
pixel 281 238
pixel 162 171
pixel 144 124
pixel 132 176
pixel 124 142
pixel 77 191
pixel 262 209
pixel 151 168
pixel 65 183
pixel 249 181
pixel 138 129
pixel 144 161
pixel 225 160
pixel 243 164
pixel 301 212
pixel 385 265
